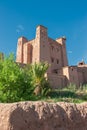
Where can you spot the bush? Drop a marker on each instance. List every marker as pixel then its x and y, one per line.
pixel 40 83
pixel 19 83
pixel 15 83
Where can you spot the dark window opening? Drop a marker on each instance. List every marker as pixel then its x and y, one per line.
pixel 55 71
pixel 57 49
pixel 52 59
pixel 52 48
pixel 57 61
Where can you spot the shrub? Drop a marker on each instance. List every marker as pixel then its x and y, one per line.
pixel 19 83
pixel 15 83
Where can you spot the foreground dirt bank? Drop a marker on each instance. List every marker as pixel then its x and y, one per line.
pixel 43 116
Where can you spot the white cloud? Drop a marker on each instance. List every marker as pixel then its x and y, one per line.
pixel 70 52
pixel 19 28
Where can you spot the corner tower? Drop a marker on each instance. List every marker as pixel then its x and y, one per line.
pixel 62 42
pixel 19 53
pixel 42 41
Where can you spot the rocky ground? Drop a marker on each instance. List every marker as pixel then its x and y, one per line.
pixel 43 116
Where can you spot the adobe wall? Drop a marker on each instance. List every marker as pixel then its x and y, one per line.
pixel 82 73
pixel 43 48
pixel 81 78
pixel 56 81
pixel 27 53
pixel 34 51
pixel 85 75
pixel 42 41
pixel 73 76
pixel 62 42
pixel 55 54
pixel 43 116
pixel 20 49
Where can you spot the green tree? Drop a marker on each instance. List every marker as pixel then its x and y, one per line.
pixel 15 83
pixel 40 82
pixel 18 83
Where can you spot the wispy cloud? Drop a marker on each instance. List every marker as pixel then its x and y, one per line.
pixel 70 52
pixel 19 28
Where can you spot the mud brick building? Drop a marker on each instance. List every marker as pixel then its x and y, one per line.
pixel 43 48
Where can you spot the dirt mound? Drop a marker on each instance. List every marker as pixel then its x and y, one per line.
pixel 43 116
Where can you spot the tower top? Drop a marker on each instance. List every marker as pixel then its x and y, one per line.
pixel 41 26
pixel 64 37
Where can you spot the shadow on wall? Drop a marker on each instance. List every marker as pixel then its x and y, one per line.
pixel 47 117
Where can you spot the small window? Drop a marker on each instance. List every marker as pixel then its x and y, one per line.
pixel 72 69
pixel 57 49
pixel 57 61
pixel 52 48
pixel 52 59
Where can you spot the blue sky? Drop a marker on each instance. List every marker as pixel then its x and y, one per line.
pixel 61 17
